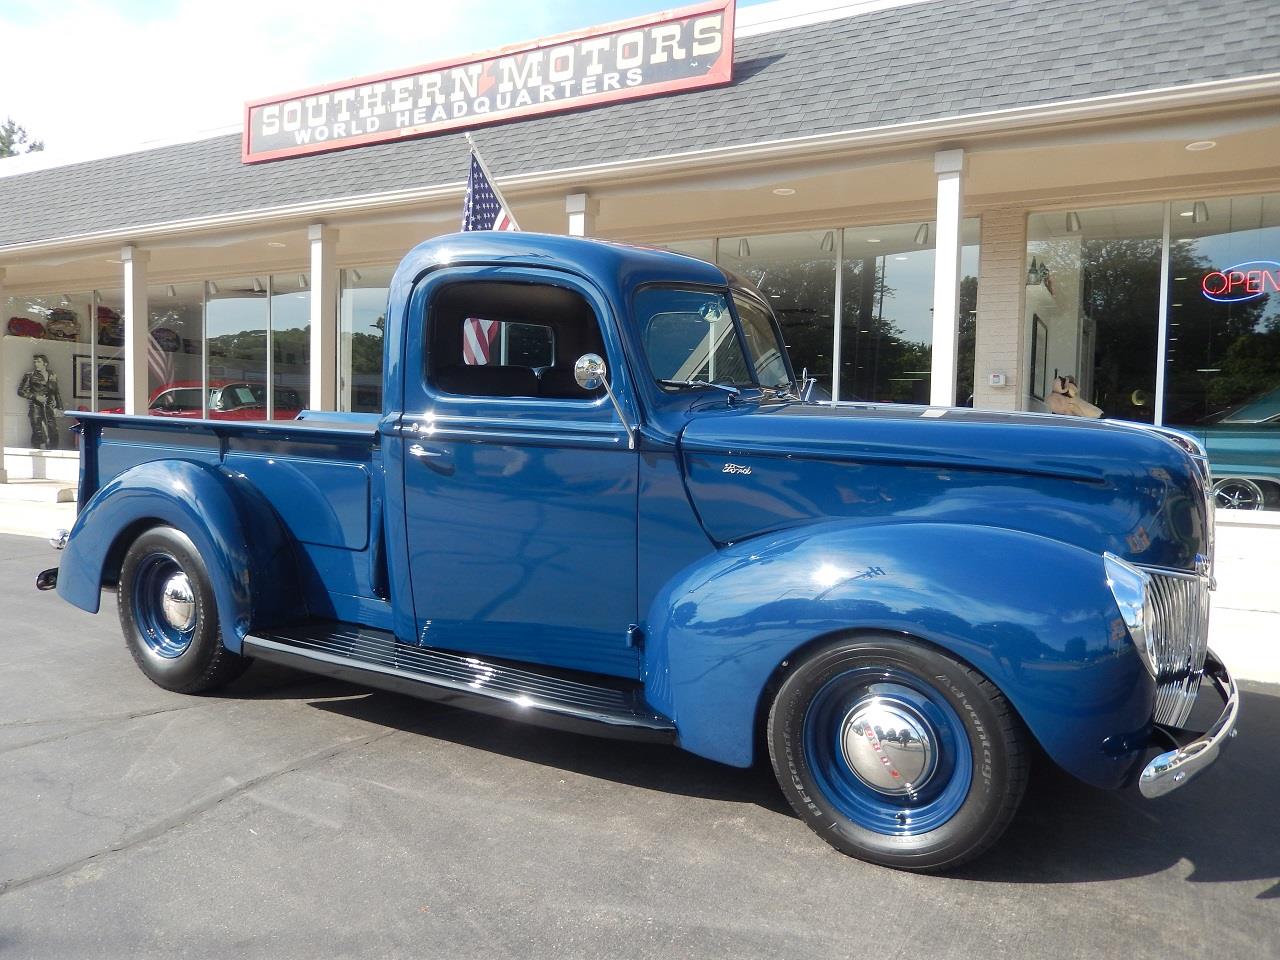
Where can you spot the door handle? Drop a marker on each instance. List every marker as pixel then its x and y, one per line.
pixel 437 460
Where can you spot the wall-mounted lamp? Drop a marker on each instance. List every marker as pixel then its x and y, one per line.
pixel 66 300
pixel 744 249
pixel 355 275
pixel 1200 212
pixel 302 281
pixel 213 289
pixel 172 291
pixel 922 234
pixel 257 285
pixel 828 241
pixel 1073 222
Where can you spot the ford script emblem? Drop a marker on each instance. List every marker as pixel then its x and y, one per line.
pixel 736 468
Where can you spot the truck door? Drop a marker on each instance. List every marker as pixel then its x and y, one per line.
pixel 520 491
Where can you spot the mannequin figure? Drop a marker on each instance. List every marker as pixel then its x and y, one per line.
pixel 39 387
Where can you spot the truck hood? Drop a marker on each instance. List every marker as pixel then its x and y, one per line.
pixel 1100 485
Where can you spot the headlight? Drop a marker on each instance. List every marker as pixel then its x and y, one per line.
pixel 1131 588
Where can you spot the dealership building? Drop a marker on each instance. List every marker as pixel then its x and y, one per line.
pixel 945 201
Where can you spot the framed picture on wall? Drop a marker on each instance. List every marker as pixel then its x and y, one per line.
pixel 1039 357
pixel 82 376
pixel 109 372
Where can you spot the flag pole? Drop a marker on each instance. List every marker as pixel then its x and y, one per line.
pixel 484 167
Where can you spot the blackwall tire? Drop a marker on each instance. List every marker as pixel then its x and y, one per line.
pixel 897 754
pixel 169 616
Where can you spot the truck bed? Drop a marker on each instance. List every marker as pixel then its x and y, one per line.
pixel 321 475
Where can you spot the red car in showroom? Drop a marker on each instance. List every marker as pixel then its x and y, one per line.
pixel 228 400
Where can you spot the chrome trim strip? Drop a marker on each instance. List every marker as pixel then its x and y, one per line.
pixel 1171 770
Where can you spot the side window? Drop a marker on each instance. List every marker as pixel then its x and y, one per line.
pixel 506 342
pixel 509 339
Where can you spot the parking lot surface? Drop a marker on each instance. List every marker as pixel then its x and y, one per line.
pixel 294 817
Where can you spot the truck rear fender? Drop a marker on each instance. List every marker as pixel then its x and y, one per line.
pixel 1033 615
pixel 235 530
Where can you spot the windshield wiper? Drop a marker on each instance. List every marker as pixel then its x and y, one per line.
pixel 733 392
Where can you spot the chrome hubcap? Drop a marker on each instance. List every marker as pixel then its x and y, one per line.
pixel 178 603
pixel 888 745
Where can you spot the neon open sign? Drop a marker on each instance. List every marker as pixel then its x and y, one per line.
pixel 1245 281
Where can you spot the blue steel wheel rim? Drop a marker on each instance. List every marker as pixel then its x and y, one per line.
pixel 160 635
pixel 950 774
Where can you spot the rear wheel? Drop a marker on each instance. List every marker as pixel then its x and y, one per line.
pixel 895 753
pixel 169 616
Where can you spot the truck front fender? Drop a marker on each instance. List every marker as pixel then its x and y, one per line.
pixel 1034 615
pixel 236 532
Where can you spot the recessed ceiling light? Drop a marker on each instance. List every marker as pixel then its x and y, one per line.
pixel 784 191
pixel 276 243
pixel 900 257
pixel 1195 146
pixel 1187 213
pixel 873 239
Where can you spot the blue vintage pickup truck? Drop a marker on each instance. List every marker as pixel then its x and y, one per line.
pixel 597 499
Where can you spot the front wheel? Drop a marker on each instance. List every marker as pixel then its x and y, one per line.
pixel 1238 493
pixel 169 616
pixel 895 753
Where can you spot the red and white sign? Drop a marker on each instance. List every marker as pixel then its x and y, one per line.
pixel 679 50
pixel 1243 282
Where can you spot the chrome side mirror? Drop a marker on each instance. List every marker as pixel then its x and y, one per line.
pixel 807 383
pixel 590 373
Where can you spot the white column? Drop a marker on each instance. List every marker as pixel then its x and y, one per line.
pixel 578 206
pixel 949 167
pixel 4 387
pixel 136 387
pixel 324 318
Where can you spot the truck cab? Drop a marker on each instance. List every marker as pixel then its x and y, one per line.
pixel 596 498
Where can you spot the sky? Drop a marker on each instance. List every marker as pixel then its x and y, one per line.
pixel 95 77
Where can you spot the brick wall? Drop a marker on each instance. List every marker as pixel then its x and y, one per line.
pixel 1000 331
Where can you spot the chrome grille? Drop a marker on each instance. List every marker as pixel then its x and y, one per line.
pixel 1180 628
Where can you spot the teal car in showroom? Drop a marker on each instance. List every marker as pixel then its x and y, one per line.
pixel 1244 453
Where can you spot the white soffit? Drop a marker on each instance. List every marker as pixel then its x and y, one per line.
pixel 785 14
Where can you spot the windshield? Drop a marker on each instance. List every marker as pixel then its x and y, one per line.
pixel 690 338
pixel 767 352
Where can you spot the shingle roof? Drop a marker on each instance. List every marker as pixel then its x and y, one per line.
pixel 917 62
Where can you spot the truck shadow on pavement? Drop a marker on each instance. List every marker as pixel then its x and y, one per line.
pixel 1066 832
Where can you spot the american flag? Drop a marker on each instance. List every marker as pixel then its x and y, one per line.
pixel 159 362
pixel 482 209
pixel 478 337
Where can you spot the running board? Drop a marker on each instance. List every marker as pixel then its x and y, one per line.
pixel 538 695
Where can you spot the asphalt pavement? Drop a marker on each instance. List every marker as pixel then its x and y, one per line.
pixel 292 817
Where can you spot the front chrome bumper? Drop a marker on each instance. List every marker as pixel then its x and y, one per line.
pixel 1171 770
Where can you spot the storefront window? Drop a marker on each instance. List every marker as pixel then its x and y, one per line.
pixel 1223 347
pixel 886 348
pixel 44 335
pixel 363 310
pixel 237 318
pixel 100 375
pixel 797 273
pixel 1093 310
pixel 175 349
pixel 290 344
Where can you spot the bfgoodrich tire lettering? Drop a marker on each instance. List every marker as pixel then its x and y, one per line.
pixel 968 762
pixel 178 648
